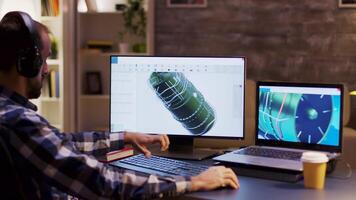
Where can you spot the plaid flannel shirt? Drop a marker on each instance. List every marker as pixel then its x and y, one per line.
pixel 64 161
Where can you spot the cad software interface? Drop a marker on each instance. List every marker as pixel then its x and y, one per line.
pixel 194 96
pixel 299 114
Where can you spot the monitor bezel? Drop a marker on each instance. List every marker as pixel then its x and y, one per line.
pixel 316 147
pixel 178 135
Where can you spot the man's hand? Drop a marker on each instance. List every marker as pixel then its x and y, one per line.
pixel 215 177
pixel 140 141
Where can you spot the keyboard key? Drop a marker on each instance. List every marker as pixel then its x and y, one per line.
pixel 271 153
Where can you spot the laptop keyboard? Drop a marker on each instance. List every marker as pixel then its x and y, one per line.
pixel 271 153
pixel 165 165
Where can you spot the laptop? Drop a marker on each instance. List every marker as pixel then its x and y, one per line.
pixel 292 118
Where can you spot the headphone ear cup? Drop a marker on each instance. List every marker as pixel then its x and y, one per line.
pixel 29 62
pixel 37 61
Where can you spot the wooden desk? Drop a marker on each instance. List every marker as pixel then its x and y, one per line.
pixel 340 188
pixel 254 188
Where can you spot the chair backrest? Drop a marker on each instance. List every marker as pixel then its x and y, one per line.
pixel 11 186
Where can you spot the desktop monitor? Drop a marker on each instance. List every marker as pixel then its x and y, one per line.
pixel 183 97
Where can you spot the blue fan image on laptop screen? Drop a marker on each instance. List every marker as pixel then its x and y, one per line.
pixel 299 117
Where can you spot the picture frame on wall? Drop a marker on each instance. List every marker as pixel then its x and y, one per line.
pixel 347 3
pixel 187 3
pixel 93 82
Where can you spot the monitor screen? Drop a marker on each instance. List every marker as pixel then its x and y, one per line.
pixel 309 114
pixel 188 96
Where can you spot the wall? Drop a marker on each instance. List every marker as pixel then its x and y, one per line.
pixel 295 40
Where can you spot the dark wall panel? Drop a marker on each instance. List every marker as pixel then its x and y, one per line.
pixel 294 40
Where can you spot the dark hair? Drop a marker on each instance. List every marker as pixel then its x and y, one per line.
pixel 14 36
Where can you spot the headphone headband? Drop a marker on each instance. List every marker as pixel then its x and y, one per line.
pixel 28 21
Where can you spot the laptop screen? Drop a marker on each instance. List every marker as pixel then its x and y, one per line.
pixel 297 115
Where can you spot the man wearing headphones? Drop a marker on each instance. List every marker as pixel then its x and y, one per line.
pixel 51 159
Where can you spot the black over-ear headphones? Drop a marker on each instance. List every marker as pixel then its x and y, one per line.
pixel 29 60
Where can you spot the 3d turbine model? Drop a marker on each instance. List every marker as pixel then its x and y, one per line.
pixel 184 101
pixel 294 117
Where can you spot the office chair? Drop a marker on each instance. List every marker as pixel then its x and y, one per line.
pixel 11 186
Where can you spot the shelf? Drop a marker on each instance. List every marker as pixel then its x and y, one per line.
pixel 50 99
pixel 53 62
pixel 94 97
pixel 49 18
pixel 53 67
pixel 101 13
pixel 95 26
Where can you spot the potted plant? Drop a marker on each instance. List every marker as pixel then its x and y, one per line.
pixel 134 16
pixel 123 45
pixel 54 47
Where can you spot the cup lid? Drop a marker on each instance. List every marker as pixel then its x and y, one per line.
pixel 314 157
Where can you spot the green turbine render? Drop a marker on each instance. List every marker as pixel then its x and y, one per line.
pixel 184 101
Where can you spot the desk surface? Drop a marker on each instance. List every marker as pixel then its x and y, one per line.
pixel 255 188
pixel 337 187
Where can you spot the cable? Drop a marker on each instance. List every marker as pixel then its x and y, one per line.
pixel 343 176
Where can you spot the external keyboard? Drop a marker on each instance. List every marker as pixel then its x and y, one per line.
pixel 271 153
pixel 164 166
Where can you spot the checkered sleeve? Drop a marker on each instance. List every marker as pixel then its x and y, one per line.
pixel 96 143
pixel 57 158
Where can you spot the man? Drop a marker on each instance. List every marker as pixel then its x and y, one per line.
pixel 62 160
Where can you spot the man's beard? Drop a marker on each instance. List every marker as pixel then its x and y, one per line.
pixel 34 88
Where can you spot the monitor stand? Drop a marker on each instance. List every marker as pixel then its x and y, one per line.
pixel 182 147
